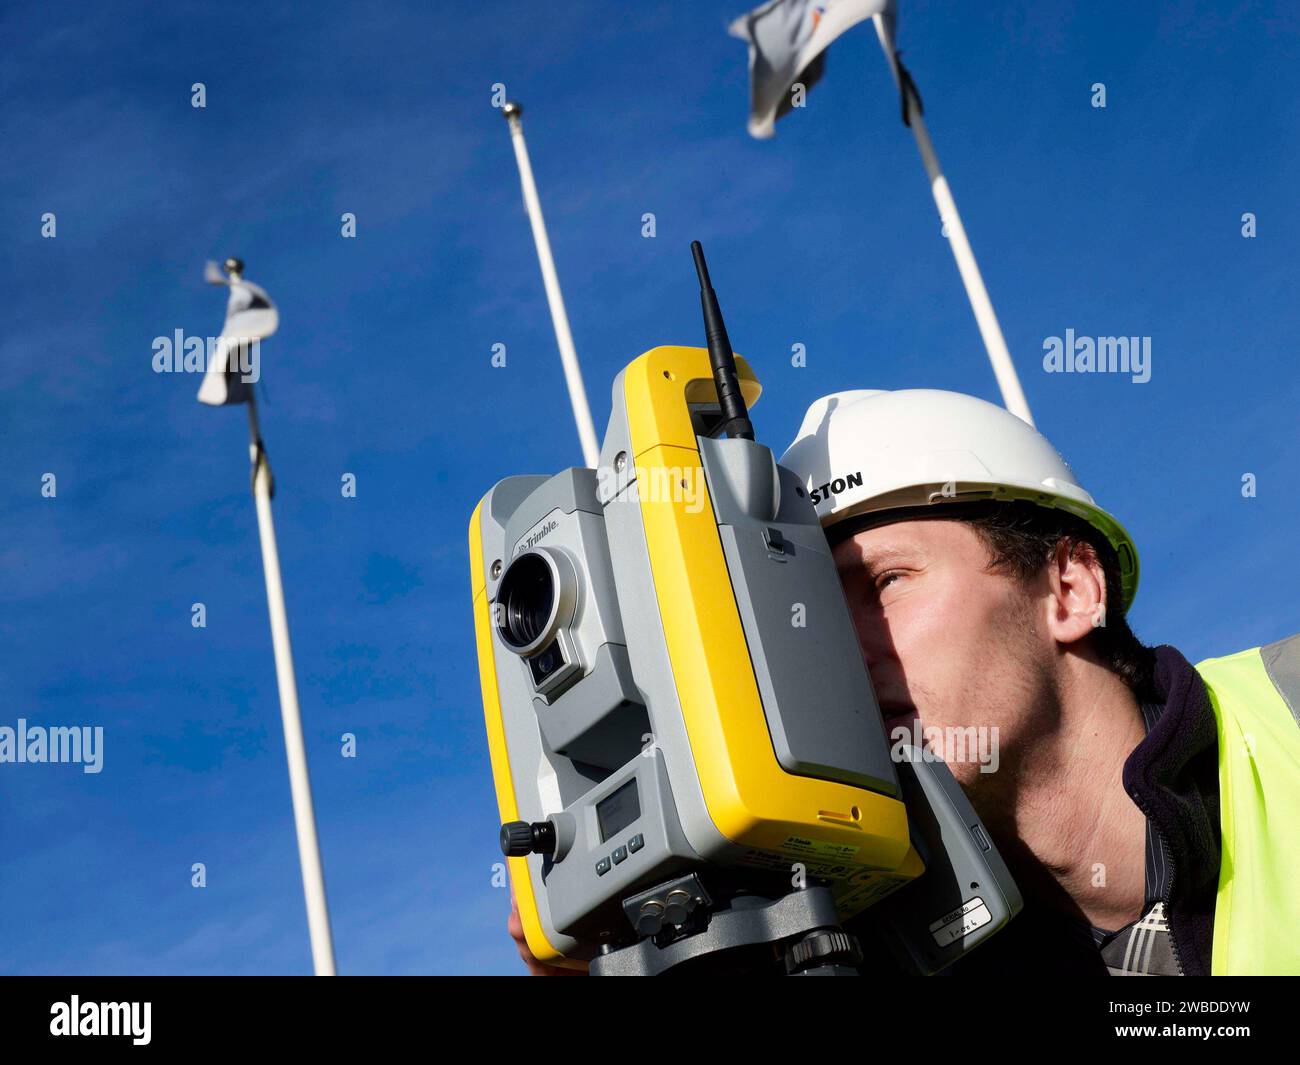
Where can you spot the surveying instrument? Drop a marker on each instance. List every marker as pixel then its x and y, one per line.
pixel 690 764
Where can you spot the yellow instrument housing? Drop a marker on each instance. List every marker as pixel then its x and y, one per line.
pixel 771 817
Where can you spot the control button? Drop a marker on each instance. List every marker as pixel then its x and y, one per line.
pixel 978 833
pixel 636 843
pixel 620 855
pixel 602 867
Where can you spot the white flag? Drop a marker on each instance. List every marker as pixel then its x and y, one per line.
pixel 786 41
pixel 250 316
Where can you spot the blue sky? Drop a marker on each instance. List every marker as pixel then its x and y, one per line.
pixel 1122 221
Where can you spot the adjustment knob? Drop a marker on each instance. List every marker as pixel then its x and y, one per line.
pixel 516 839
pixel 519 838
pixel 825 947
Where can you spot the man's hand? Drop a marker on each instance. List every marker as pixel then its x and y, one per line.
pixel 535 967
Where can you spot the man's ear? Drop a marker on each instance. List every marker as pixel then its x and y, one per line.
pixel 1077 592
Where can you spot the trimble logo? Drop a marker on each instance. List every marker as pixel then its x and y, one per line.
pixel 835 487
pixel 532 540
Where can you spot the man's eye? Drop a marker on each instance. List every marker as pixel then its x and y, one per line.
pixel 884 580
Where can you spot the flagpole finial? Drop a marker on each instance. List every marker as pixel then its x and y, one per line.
pixel 512 109
pixel 235 268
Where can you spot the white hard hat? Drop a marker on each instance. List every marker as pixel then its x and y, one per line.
pixel 867 451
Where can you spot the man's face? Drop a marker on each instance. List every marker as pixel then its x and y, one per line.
pixel 945 637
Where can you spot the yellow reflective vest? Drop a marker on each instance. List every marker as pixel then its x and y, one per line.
pixel 1256 700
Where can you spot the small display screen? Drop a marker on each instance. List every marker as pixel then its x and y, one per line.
pixel 615 812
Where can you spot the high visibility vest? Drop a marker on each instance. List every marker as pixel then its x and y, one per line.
pixel 1256 700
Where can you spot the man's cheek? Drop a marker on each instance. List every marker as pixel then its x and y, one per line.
pixel 932 689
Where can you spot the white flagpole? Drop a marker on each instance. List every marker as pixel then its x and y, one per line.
pixel 304 814
pixel 551 281
pixel 1013 396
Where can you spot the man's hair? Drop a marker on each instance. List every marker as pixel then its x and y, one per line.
pixel 1023 537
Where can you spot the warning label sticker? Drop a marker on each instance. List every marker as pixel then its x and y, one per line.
pixel 864 889
pixel 802 847
pixel 833 866
pixel 854 887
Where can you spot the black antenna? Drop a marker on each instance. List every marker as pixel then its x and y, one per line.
pixel 735 416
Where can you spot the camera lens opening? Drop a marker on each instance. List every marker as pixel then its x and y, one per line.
pixel 527 597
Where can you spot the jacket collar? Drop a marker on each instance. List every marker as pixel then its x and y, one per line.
pixel 1173 777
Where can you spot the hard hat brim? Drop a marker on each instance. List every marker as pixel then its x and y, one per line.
pixel 928 502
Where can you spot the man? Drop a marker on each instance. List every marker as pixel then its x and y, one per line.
pixel 1133 792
